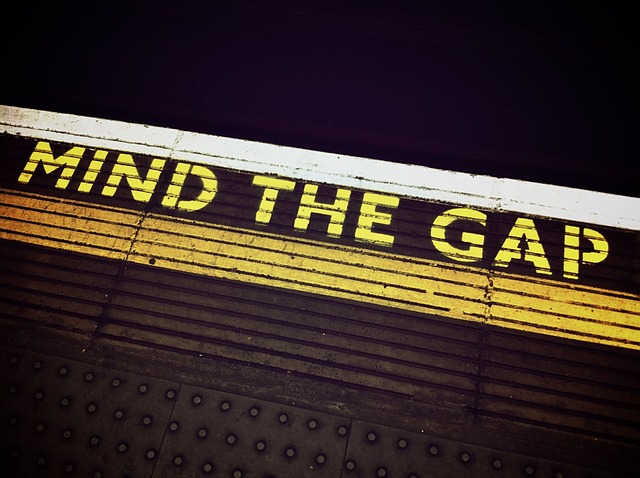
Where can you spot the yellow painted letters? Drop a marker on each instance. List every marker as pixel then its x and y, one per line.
pixel 572 259
pixel 369 215
pixel 475 241
pixel 336 210
pixel 207 193
pixel 43 154
pixel 272 187
pixel 92 173
pixel 523 242
pixel 141 189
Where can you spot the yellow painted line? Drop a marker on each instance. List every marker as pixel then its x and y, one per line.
pixel 564 310
pixel 346 272
pixel 456 291
pixel 69 225
pixel 616 308
pixel 528 321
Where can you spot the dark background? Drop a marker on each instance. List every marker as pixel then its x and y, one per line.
pixel 544 91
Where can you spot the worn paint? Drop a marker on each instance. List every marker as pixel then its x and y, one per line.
pixel 472 263
pixel 377 277
pixel 522 242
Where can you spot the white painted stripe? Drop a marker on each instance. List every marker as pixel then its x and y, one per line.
pixel 499 194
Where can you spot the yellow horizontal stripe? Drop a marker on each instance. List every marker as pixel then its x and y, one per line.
pixel 68 225
pixel 311 267
pixel 602 309
pixel 525 320
pixel 376 277
pixel 578 293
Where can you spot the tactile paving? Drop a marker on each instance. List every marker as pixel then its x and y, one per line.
pixel 213 433
pixel 9 361
pixel 64 418
pixel 378 451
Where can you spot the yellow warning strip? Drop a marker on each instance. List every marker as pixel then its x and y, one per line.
pixel 70 225
pixel 460 292
pixel 310 266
